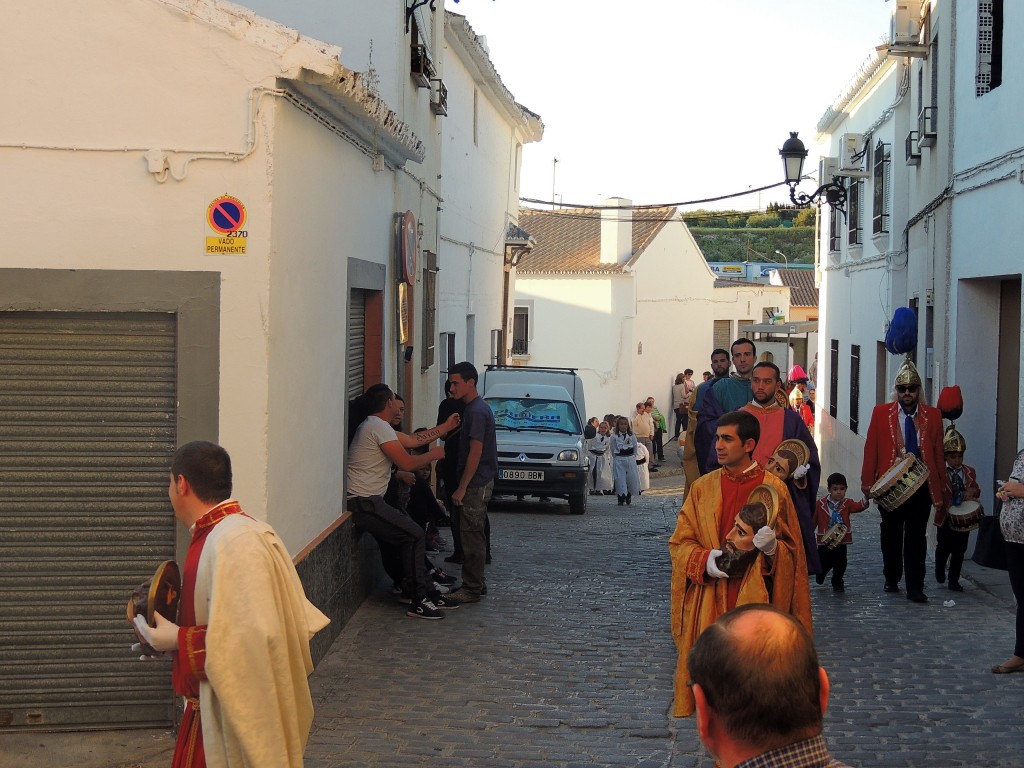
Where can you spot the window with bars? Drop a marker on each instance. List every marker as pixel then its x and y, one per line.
pixel 854 387
pixel 833 378
pixel 880 199
pixel 989 73
pixel 853 213
pixel 521 331
pixel 429 308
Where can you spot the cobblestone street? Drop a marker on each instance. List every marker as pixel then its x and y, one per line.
pixel 569 662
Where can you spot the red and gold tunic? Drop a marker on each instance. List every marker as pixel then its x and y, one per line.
pixel 190 659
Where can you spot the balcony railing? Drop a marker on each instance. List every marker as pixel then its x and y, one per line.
pixel 438 97
pixel 928 126
pixel 912 148
pixel 420 67
pixel 520 347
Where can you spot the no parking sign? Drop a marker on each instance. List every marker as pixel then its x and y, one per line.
pixel 226 216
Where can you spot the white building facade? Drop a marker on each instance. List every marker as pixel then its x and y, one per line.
pixel 202 241
pixel 944 245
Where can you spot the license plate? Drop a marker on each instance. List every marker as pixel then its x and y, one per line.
pixel 521 474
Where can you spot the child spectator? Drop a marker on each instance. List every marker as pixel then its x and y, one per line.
pixel 951 545
pixel 832 510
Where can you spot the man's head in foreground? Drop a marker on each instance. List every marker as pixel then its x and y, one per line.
pixel 757 684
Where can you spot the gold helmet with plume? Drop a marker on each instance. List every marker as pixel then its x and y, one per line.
pixel 953 441
pixel 907 374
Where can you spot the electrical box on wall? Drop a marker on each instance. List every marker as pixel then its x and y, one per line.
pixel 853 150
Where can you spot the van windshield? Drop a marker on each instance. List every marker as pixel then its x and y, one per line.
pixel 535 414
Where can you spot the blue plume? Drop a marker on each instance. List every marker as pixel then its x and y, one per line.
pixel 902 334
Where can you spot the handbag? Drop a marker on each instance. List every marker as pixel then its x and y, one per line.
pixel 990 546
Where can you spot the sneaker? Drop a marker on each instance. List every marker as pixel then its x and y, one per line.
pixel 463 595
pixel 442 602
pixel 442 589
pixel 441 577
pixel 424 609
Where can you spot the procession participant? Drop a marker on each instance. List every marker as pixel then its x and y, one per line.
pixel 779 423
pixel 241 642
pixel 590 429
pixel 703 441
pixel 835 509
pixel 906 426
pixel 624 443
pixel 801 406
pixel 701 591
pixel 599 447
pixel 724 395
pixel 951 545
pixel 643 470
pixel 760 692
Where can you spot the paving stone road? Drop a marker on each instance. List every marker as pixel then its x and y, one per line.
pixel 568 662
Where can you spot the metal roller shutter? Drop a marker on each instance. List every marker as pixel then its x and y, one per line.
pixel 356 343
pixel 87 432
pixel 722 334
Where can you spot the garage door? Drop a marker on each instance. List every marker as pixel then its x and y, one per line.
pixel 87 431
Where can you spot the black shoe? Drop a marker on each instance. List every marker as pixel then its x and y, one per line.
pixel 453 558
pixel 940 573
pixel 424 609
pixel 440 601
pixel 622 500
pixel 838 587
pixel 917 597
pixel 820 578
pixel 955 586
pixel 652 469
pixel 629 498
pixel 891 586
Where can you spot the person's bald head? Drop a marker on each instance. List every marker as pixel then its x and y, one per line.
pixel 758 673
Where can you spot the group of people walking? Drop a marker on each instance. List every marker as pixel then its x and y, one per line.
pixel 625 450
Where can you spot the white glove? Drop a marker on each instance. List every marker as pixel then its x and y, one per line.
pixel 712 567
pixel 163 637
pixel 765 540
pixel 801 471
pixel 144 655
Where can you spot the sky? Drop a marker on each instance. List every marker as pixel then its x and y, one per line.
pixel 666 101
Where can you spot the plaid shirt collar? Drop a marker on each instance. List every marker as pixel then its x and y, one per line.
pixel 811 753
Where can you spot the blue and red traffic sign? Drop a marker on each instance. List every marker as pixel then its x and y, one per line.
pixel 226 214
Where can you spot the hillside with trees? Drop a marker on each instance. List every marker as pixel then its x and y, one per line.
pixel 747 236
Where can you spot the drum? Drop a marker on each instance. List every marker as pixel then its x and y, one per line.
pixel 899 482
pixel 965 516
pixel 834 536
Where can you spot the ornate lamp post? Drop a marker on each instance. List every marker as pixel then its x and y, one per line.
pixel 793 154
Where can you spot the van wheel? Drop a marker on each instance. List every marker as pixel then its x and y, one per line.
pixel 577 503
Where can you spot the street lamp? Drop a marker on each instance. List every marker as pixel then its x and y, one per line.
pixel 793 154
pixel 784 257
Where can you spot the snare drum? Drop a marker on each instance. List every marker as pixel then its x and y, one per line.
pixel 834 536
pixel 965 516
pixel 900 482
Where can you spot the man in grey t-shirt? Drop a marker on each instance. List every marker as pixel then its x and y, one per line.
pixel 478 466
pixel 374 449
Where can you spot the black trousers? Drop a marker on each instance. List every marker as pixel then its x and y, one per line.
pixel 659 446
pixel 833 560
pixel 390 526
pixel 1015 566
pixel 950 546
pixel 903 540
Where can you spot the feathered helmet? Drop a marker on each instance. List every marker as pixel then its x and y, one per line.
pixel 953 441
pixel 901 339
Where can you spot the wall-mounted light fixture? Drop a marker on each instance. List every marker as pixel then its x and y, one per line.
pixel 793 154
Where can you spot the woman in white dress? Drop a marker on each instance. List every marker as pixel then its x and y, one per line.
pixel 624 443
pixel 600 449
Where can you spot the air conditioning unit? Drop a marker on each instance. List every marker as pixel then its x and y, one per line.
pixel 438 97
pixel 853 149
pixel 905 30
pixel 905 23
pixel 828 169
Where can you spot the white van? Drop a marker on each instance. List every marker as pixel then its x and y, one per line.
pixel 539 415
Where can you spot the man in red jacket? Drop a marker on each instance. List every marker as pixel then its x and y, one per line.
pixel 899 428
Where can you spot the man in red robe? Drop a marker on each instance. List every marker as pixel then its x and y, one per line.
pixel 701 591
pixel 241 642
